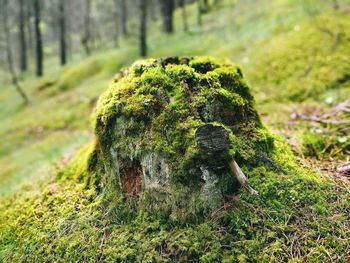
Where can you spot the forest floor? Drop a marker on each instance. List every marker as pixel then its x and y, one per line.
pixel 294 55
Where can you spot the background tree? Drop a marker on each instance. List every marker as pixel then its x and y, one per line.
pixel 87 30
pixel 62 31
pixel 39 54
pixel 182 4
pixel 199 13
pixel 167 7
pixel 122 15
pixel 9 56
pixel 22 37
pixel 143 28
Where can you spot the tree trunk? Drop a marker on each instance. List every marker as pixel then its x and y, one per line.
pixel 11 67
pixel 39 55
pixel 153 5
pixel 22 38
pixel 87 33
pixel 29 25
pixel 199 13
pixel 143 28
pixel 205 6
pixel 122 17
pixel 167 12
pixel 184 14
pixel 62 31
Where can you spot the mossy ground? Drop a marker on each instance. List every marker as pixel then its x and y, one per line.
pixel 300 215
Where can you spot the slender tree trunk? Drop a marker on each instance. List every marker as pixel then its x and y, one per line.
pixel 199 13
pixel 184 14
pixel 29 25
pixel 143 28
pixel 62 31
pixel 205 7
pixel 87 32
pixel 11 67
pixel 153 9
pixel 22 38
pixel 167 12
pixel 122 29
pixel 39 56
pixel 117 22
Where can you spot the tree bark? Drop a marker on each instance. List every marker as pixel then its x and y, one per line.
pixel 22 38
pixel 167 13
pixel 62 31
pixel 39 55
pixel 9 57
pixel 143 28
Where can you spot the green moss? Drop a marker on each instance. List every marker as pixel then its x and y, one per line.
pixel 307 60
pixel 73 76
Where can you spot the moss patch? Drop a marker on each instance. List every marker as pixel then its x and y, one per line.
pixel 307 60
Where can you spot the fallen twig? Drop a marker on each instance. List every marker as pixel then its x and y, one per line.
pixel 344 169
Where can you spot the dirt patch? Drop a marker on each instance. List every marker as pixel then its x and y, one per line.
pixel 131 180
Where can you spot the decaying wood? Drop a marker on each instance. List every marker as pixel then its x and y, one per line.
pixel 215 139
pixel 212 138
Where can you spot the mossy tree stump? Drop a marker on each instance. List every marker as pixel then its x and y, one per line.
pixel 145 126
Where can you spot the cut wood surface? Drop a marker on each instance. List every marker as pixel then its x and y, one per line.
pixel 212 138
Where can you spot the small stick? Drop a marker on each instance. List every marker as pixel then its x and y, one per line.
pixel 344 169
pixel 241 178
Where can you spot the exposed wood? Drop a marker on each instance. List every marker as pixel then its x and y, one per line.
pixel 212 138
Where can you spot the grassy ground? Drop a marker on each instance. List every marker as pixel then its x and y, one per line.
pixel 295 56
